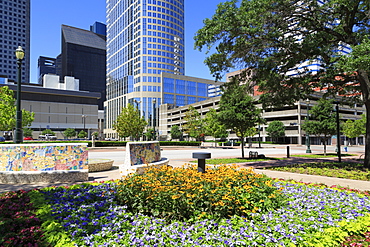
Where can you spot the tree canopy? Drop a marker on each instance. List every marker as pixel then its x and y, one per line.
pixel 237 109
pixel 276 129
pixel 213 126
pixel 130 123
pixel 275 40
pixel 322 122
pixel 70 133
pixel 194 124
pixel 176 133
pixel 8 111
pixel 355 128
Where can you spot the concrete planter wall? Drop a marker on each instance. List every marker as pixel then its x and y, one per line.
pixel 46 162
pixel 141 155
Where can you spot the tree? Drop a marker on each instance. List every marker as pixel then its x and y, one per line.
pixel 70 133
pixel 276 129
pixel 8 111
pixel 213 127
pixel 82 134
pixel 322 121
pixel 237 109
pixel 176 133
pixel 129 123
pixel 27 132
pixel 355 128
pixel 273 38
pixel 48 131
pixel 150 134
pixel 194 124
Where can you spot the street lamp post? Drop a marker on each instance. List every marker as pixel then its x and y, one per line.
pixel 137 105
pixel 259 136
pixel 154 120
pixel 338 131
pixel 18 135
pixel 308 150
pixel 84 121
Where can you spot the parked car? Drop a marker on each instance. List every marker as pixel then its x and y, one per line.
pixel 47 137
pixel 2 139
pixel 27 138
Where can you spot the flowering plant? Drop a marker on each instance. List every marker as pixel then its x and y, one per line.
pixel 178 193
pixel 19 226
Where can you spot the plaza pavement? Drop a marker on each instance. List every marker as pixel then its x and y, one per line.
pixel 179 156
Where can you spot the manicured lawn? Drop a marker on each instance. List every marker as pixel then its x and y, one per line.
pixel 234 160
pixel 92 214
pixel 349 170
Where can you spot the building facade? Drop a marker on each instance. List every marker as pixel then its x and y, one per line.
pixel 58 106
pixel 292 117
pixel 14 32
pixel 145 59
pixel 83 56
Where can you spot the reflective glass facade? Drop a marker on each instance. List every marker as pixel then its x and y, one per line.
pixel 144 39
pixel 145 59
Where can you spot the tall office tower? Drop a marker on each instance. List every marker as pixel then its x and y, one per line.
pixel 84 57
pixel 145 59
pixel 14 32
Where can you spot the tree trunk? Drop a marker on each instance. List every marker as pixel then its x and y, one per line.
pixel 242 147
pixel 363 78
pixel 367 136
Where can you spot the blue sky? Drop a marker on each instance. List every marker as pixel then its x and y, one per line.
pixel 47 17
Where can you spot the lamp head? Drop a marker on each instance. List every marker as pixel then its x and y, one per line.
pixel 19 53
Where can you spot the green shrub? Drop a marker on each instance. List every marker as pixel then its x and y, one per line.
pixel 186 194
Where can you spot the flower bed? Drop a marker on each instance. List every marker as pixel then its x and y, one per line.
pixel 90 215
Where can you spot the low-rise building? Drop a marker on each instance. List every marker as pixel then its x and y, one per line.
pixel 292 117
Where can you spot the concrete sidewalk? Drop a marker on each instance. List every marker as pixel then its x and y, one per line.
pixel 115 174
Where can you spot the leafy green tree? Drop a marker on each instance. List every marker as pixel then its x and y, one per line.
pixel 95 134
pixel 322 121
pixel 355 128
pixel 276 129
pixel 150 134
pixel 8 111
pixel 27 132
pixel 70 133
pixel 176 133
pixel 213 127
pixel 130 123
pixel 82 134
pixel 48 131
pixel 272 38
pixel 237 109
pixel 194 124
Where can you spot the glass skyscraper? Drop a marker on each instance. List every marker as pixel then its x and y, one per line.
pixel 14 32
pixel 145 59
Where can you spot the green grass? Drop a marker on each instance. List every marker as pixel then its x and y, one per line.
pixel 234 160
pixel 328 155
pixel 348 170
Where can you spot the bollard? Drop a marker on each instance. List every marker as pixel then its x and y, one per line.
pixel 201 156
pixel 287 151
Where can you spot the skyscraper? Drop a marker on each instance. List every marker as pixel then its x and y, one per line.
pixel 145 59
pixel 14 32
pixel 84 57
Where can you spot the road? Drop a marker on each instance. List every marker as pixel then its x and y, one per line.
pixel 181 155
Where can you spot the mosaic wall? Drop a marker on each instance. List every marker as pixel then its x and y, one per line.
pixel 143 153
pixel 43 158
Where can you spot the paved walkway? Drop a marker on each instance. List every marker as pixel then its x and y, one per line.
pixel 115 174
